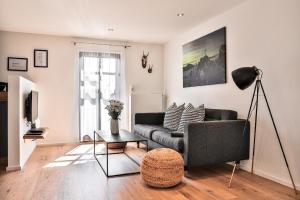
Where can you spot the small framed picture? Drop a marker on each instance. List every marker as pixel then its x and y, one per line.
pixel 17 64
pixel 40 58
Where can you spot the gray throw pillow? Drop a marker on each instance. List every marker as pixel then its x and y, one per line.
pixel 191 115
pixel 172 116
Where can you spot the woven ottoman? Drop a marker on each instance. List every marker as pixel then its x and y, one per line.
pixel 162 168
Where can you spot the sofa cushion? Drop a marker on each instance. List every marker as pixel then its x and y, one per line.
pixel 147 130
pixel 164 138
pixel 191 115
pixel 172 116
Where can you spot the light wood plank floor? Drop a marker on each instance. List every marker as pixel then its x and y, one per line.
pixel 70 172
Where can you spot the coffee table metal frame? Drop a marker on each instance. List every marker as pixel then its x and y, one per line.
pixel 121 152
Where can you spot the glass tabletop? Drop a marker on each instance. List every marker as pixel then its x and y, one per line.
pixel 123 136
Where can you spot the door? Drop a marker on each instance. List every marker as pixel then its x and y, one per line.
pixel 99 82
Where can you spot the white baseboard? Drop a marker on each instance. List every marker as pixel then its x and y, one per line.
pixel 58 143
pixel 13 168
pixel 269 176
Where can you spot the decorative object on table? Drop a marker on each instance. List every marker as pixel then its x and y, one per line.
pixel 114 126
pixel 114 110
pixel 145 60
pixel 117 145
pixel 204 60
pixel 17 64
pixel 162 168
pixel 243 78
pixel 40 58
pixel 3 87
pixel 150 69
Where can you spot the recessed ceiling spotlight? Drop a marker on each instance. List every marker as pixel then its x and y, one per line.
pixel 180 14
pixel 110 29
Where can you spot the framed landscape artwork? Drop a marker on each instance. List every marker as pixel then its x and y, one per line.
pixel 204 60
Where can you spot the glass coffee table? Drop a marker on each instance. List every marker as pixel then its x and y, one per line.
pixel 108 138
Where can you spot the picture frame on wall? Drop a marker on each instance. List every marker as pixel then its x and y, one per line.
pixel 17 64
pixel 204 60
pixel 40 58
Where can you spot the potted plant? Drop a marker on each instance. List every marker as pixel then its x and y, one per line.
pixel 114 108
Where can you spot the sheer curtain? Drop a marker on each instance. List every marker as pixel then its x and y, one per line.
pixel 102 77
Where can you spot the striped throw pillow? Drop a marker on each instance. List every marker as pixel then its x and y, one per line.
pixel 191 115
pixel 172 116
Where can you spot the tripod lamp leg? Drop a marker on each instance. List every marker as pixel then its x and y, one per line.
pixel 233 170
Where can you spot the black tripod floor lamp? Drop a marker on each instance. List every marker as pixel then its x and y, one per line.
pixel 243 78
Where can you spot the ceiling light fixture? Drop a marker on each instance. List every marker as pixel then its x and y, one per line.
pixel 180 14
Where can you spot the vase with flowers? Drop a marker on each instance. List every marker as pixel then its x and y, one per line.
pixel 114 108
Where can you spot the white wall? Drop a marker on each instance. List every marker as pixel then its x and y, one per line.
pixel 265 34
pixel 27 146
pixel 13 138
pixel 145 89
pixel 143 103
pixel 58 84
pixel 18 150
pixel 138 77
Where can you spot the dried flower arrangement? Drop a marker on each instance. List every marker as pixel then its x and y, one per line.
pixel 114 108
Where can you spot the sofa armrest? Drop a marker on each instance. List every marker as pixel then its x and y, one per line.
pixel 149 118
pixel 213 142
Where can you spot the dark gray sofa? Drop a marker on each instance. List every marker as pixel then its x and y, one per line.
pixel 218 139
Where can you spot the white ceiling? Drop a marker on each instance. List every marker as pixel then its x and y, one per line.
pixel 133 20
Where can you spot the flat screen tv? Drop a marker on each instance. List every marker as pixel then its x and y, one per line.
pixel 31 107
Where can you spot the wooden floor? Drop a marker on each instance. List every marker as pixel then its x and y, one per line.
pixel 70 172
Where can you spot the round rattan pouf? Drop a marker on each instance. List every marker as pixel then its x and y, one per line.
pixel 162 168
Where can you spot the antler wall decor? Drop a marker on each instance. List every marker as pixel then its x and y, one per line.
pixel 150 69
pixel 145 60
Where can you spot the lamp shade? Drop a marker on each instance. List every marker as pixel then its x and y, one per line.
pixel 244 76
